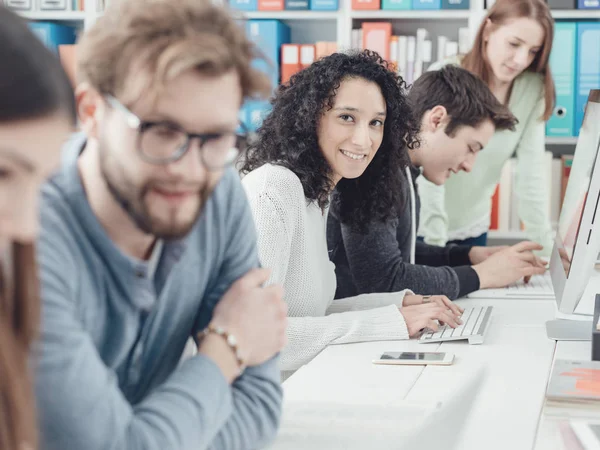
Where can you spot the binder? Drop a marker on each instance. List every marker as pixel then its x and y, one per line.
pixel 297 5
pixel 270 5
pixel 324 5
pixel 376 37
pixel 54 5
pixel 456 4
pixel 52 34
pixel 588 67
pixel 256 111
pixel 68 56
pixel 396 4
pixel 426 4
pixel 366 4
pixel 562 65
pixel 19 5
pixel 290 61
pixel 588 4
pixel 307 55
pixel 269 36
pixel 244 5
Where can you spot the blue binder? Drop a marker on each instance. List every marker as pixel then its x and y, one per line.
pixel 562 65
pixel 588 67
pixel 52 34
pixel 588 4
pixel 244 5
pixel 396 4
pixel 296 5
pixel 456 4
pixel 324 5
pixel 269 36
pixel 427 4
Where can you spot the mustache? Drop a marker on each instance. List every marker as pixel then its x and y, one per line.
pixel 173 186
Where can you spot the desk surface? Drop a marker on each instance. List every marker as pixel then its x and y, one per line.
pixel 506 413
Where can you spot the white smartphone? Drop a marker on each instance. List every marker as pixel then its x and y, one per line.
pixel 415 358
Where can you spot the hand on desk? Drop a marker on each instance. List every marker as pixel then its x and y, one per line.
pixel 427 315
pixel 510 264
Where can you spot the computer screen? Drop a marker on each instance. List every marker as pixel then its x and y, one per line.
pixel 569 222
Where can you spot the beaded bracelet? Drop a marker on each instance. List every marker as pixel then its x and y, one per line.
pixel 229 339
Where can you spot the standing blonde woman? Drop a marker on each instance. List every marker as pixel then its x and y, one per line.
pixel 36 114
pixel 510 53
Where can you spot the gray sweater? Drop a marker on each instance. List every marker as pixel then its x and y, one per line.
pixel 108 372
pixel 378 261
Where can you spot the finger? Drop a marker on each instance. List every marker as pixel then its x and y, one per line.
pixel 432 325
pixel 532 270
pixel 527 246
pixel 527 257
pixel 457 310
pixel 526 279
pixel 447 318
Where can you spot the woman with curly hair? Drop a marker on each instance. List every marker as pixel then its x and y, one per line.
pixel 343 123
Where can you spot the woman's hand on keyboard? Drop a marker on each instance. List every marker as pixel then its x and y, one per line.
pixel 441 300
pixel 510 265
pixel 427 315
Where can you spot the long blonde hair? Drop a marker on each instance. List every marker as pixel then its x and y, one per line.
pixel 503 10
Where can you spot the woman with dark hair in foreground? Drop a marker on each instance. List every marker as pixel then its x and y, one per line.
pixel 36 114
pixel 343 124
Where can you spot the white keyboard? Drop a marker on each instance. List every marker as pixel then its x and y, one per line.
pixel 539 286
pixel 475 323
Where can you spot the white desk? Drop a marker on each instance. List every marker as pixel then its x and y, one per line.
pixel 507 413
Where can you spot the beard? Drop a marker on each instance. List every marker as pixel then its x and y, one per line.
pixel 133 199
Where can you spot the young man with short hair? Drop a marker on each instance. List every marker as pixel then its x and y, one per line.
pixel 148 240
pixel 458 115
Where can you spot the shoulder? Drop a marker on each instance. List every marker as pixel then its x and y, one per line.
pixel 275 182
pixel 529 85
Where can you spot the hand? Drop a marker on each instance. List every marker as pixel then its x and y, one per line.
pixel 509 265
pixel 426 315
pixel 440 300
pixel 255 315
pixel 478 255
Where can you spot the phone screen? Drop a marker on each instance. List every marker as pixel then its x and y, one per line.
pixel 414 356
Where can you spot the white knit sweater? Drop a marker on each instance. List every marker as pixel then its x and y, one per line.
pixel 292 242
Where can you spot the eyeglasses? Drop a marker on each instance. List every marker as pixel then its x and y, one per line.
pixel 164 142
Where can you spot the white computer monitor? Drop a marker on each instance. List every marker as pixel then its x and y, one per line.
pixel 577 241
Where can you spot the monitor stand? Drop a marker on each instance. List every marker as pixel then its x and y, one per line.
pixel 569 330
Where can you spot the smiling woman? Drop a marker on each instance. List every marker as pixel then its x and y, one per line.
pixel 342 123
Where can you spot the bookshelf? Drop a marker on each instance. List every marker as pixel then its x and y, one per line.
pixel 309 26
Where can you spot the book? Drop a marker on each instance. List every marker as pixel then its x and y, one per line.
pixel 576 382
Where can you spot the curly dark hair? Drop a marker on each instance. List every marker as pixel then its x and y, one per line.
pixel 288 137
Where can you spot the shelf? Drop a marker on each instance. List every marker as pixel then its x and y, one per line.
pixel 289 15
pixel 561 140
pixel 576 13
pixel 71 16
pixel 411 14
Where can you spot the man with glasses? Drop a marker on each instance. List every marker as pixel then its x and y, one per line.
pixel 148 240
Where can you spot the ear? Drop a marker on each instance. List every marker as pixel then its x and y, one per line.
pixel 436 118
pixel 487 29
pixel 90 109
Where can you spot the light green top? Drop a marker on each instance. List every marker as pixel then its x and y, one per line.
pixel 461 208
